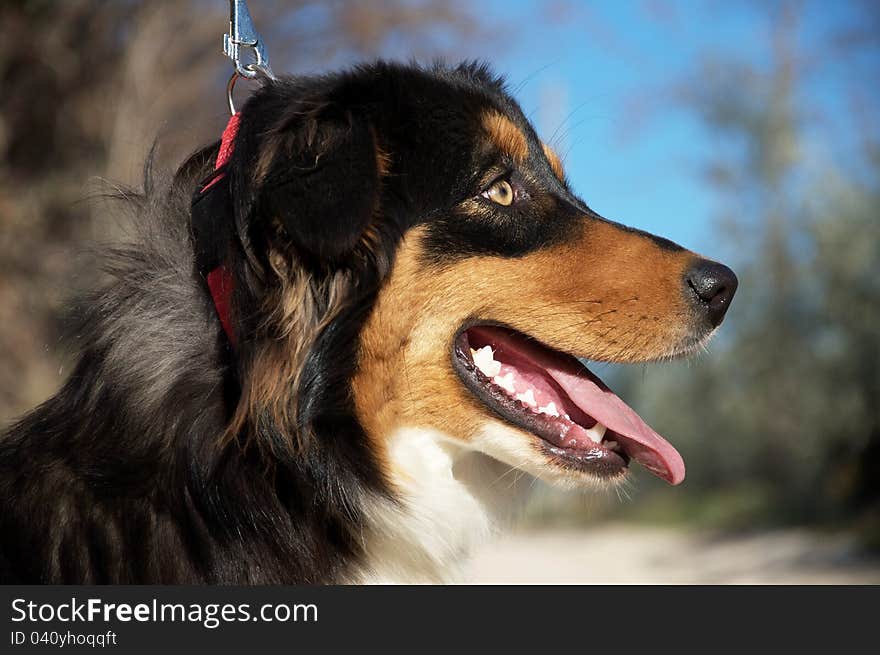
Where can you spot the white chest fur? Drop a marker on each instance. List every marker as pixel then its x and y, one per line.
pixel 451 498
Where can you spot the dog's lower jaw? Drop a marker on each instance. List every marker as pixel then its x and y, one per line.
pixel 448 499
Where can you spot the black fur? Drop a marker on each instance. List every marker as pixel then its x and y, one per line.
pixel 130 474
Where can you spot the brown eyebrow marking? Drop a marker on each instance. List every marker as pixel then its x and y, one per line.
pixel 506 136
pixel 555 161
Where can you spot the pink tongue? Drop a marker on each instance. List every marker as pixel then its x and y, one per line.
pixel 593 397
pixel 639 441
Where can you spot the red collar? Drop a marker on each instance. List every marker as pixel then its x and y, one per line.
pixel 208 225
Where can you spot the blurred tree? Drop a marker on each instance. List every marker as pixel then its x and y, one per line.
pixel 88 85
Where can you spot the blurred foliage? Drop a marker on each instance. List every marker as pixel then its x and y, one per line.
pixel 88 86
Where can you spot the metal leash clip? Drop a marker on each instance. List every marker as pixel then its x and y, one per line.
pixel 242 35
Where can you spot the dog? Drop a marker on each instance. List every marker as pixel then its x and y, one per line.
pixel 407 286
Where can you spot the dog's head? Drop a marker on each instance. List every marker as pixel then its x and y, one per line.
pixel 414 257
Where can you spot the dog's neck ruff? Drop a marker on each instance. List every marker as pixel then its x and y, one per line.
pixel 212 227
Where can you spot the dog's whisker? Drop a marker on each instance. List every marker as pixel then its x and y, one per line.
pixel 565 120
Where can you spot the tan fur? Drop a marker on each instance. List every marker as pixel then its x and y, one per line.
pixel 383 161
pixel 607 295
pixel 555 161
pixel 296 313
pixel 506 136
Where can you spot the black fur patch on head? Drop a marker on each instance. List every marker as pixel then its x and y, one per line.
pixel 311 165
pixel 482 228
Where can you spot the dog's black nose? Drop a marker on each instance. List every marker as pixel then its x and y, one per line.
pixel 713 285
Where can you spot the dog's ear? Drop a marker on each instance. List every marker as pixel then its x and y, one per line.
pixel 316 171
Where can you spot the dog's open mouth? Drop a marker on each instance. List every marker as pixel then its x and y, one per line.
pixel 550 394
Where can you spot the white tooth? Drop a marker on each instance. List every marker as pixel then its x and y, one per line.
pixel 485 361
pixel 597 432
pixel 527 398
pixel 549 409
pixel 505 382
pixel 611 445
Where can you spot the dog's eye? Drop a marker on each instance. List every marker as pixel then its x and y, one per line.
pixel 500 192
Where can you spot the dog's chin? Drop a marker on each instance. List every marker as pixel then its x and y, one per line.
pixel 526 453
pixel 550 416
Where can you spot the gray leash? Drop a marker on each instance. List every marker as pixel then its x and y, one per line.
pixel 242 36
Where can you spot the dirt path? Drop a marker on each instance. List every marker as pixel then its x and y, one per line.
pixel 623 554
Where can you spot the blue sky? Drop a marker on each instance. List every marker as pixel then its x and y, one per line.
pixel 596 80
